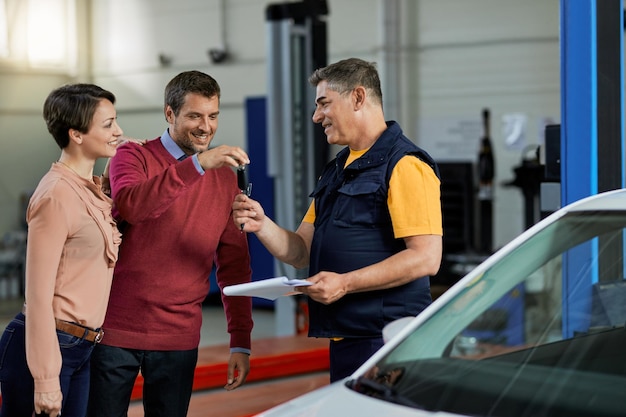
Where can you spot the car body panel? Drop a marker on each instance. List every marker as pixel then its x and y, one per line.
pixel 560 364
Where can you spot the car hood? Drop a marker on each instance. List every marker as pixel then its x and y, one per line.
pixel 337 400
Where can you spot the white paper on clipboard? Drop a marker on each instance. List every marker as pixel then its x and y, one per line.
pixel 270 288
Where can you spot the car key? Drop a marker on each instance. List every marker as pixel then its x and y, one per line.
pixel 245 186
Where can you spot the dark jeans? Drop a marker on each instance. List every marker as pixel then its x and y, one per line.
pixel 348 354
pixel 168 381
pixel 16 382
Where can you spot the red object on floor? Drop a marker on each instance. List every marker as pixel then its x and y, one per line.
pixel 271 358
pixel 302 315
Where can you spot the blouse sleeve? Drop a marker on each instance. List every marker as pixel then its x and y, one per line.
pixel 47 232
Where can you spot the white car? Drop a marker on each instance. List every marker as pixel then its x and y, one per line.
pixel 537 329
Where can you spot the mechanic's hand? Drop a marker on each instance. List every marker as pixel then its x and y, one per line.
pixel 247 212
pixel 327 287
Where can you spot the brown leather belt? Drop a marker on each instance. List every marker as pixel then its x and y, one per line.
pixel 76 330
pixel 80 331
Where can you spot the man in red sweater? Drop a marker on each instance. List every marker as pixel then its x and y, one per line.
pixel 173 198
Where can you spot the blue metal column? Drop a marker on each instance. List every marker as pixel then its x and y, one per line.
pixel 578 100
pixel 591 130
pixel 592 84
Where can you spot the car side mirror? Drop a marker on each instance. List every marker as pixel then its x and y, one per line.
pixel 393 328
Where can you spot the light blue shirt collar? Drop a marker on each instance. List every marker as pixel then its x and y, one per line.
pixel 174 150
pixel 171 146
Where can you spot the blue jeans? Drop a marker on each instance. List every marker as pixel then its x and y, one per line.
pixel 167 375
pixel 16 382
pixel 348 354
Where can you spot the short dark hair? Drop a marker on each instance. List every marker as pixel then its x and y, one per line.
pixel 344 76
pixel 72 106
pixel 189 82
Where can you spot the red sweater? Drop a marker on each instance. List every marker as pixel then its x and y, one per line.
pixel 175 224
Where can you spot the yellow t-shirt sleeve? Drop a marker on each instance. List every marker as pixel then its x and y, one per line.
pixel 309 216
pixel 414 199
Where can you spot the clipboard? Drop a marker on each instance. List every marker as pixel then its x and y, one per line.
pixel 270 288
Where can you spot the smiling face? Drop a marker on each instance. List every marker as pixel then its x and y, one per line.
pixel 334 111
pixel 195 125
pixel 104 133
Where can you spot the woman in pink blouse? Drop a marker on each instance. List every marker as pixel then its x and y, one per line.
pixel 72 249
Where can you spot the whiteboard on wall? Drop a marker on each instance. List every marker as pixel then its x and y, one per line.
pixel 450 138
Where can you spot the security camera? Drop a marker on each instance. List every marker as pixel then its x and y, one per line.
pixel 165 60
pixel 218 55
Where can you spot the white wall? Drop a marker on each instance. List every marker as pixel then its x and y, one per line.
pixel 454 58
pixel 503 55
pixel 27 150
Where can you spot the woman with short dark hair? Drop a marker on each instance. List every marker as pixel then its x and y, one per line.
pixel 72 247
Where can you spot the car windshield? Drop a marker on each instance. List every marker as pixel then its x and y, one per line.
pixel 538 333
